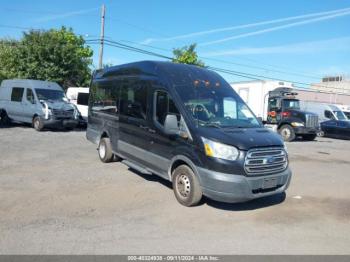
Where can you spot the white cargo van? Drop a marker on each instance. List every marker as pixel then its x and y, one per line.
pixel 79 96
pixel 324 111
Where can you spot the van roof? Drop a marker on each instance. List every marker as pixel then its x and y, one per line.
pixel 151 68
pixel 168 73
pixel 30 83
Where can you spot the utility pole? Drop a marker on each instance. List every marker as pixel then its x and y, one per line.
pixel 103 13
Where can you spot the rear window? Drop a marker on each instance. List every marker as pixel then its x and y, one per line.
pixel 83 99
pixel 17 94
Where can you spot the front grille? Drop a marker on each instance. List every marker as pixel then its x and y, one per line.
pixel 311 121
pixel 63 113
pixel 262 161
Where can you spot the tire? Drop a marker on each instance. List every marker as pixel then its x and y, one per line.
pixel 38 123
pixel 4 118
pixel 287 133
pixel 321 134
pixel 187 189
pixel 309 137
pixel 105 150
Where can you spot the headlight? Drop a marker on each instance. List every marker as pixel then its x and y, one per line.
pixel 76 114
pixel 297 124
pixel 218 150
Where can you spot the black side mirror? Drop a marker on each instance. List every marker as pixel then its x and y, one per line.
pixel 260 120
pixel 171 126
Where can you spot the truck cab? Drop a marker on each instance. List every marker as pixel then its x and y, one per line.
pixel 284 113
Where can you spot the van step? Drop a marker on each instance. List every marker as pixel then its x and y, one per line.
pixel 137 167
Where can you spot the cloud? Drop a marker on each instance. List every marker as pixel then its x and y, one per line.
pixel 335 44
pixel 271 29
pixel 249 25
pixel 65 15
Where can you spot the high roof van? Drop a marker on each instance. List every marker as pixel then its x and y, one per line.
pixel 324 111
pixel 187 125
pixel 40 103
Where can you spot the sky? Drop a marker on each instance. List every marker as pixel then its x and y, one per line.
pixel 299 40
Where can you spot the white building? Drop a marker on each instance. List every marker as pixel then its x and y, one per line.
pixel 333 84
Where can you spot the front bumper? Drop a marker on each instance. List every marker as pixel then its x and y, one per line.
pixel 59 123
pixel 232 188
pixel 306 130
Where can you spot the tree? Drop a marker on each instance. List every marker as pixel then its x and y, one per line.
pixel 187 55
pixel 53 55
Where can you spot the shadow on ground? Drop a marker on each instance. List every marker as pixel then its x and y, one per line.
pixel 55 130
pixel 246 206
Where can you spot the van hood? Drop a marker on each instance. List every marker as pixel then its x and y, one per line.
pixel 243 138
pixel 59 105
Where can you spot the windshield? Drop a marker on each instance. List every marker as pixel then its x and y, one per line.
pixel 291 104
pixel 215 104
pixel 340 115
pixel 49 94
pixel 347 114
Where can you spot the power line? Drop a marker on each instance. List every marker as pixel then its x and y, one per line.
pixel 223 70
pixel 142 28
pixel 230 62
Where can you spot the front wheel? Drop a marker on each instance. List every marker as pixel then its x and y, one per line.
pixel 187 189
pixel 38 123
pixel 309 137
pixel 4 118
pixel 105 150
pixel 287 133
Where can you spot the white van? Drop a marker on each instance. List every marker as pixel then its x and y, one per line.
pixel 79 96
pixel 345 109
pixel 40 103
pixel 324 111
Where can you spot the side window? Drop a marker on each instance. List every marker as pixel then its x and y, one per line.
pixel 104 97
pixel 328 114
pixel 133 99
pixel 273 104
pixel 164 105
pixel 83 99
pixel 17 94
pixel 30 96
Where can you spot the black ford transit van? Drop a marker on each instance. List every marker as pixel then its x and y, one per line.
pixel 187 125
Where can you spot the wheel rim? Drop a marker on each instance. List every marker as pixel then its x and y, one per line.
pixel 36 124
pixel 285 133
pixel 102 150
pixel 183 186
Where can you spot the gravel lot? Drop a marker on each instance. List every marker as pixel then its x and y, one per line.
pixel 56 197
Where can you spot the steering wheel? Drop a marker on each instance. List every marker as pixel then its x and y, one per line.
pixel 201 109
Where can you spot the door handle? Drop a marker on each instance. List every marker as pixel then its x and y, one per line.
pixel 143 127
